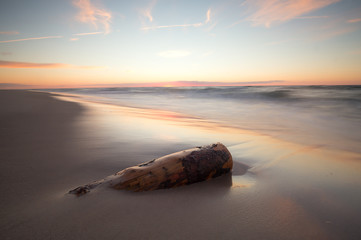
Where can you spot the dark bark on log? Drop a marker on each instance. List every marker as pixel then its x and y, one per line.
pixel 177 169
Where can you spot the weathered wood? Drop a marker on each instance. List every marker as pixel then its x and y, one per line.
pixel 177 169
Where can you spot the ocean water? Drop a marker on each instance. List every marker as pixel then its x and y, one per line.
pixel 301 144
pixel 323 116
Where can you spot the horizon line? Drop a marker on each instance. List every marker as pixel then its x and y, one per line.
pixel 170 84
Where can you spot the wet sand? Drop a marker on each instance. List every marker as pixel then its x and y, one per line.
pixel 50 145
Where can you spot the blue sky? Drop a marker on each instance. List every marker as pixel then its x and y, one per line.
pixel 99 42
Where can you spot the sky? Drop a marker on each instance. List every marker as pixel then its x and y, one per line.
pixel 90 43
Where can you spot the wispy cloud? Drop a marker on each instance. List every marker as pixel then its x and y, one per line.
pixel 147 12
pixel 11 64
pixel 89 33
pixel 312 17
pixel 354 20
pixel 91 14
pixel 28 39
pixel 83 34
pixel 149 84
pixel 329 33
pixel 174 54
pixel 14 86
pixel 174 26
pixel 194 84
pixel 271 12
pixel 199 24
pixel 187 84
pixel 208 16
pixel 9 33
pixel 204 83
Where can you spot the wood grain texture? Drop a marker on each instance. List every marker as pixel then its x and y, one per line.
pixel 177 169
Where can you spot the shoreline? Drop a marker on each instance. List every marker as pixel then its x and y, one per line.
pixel 296 124
pixel 51 146
pixel 37 135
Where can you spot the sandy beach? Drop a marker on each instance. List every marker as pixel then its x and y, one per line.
pixel 50 144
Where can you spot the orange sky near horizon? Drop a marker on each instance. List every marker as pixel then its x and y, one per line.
pixel 87 43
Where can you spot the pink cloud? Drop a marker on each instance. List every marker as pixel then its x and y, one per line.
pixel 270 12
pixel 354 20
pixel 312 17
pixel 10 33
pixel 11 64
pixel 208 19
pixel 93 15
pixel 147 12
pixel 331 33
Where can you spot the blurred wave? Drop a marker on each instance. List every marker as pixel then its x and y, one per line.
pixel 321 115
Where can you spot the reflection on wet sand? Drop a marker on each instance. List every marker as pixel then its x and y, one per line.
pixel 288 188
pixel 260 152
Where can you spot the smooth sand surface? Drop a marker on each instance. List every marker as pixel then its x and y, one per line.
pixel 49 146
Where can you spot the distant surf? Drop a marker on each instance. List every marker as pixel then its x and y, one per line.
pixel 319 115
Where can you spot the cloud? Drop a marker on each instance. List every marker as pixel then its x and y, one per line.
pixel 186 84
pixel 10 33
pixel 208 16
pixel 270 12
pixel 89 33
pixel 14 86
pixel 149 84
pixel 354 20
pixel 84 34
pixel 200 24
pixel 90 14
pixel 333 32
pixel 28 39
pixel 204 83
pixel 312 17
pixel 173 26
pixel 147 12
pixel 174 54
pixel 11 64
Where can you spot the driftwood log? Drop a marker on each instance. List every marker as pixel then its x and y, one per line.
pixel 177 169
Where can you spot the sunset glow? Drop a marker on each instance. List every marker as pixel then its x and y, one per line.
pixel 88 43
